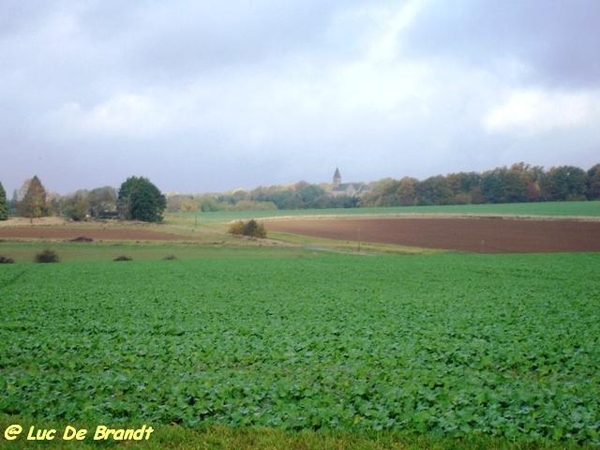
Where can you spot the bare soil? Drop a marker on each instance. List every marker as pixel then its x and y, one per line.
pixel 98 233
pixel 481 235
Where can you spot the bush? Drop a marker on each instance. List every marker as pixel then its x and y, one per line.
pixel 170 258
pixel 6 260
pixel 123 258
pixel 251 228
pixel 236 228
pixel 47 256
pixel 82 239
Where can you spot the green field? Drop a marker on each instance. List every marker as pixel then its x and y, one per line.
pixel 561 209
pixel 446 346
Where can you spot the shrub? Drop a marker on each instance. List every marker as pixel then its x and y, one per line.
pixel 123 258
pixel 6 260
pixel 170 258
pixel 47 256
pixel 236 228
pixel 250 228
pixel 82 239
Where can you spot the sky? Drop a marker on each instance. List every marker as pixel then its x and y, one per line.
pixel 210 96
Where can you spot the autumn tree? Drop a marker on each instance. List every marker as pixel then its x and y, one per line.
pixel 139 199
pixel 407 195
pixel 76 206
pixel 33 204
pixel 3 205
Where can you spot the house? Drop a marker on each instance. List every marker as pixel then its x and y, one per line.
pixel 339 189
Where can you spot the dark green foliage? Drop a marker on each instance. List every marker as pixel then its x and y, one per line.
pixel 434 191
pixel 6 260
pixel 564 183
pixel 47 256
pixel 450 345
pixel 250 228
pixel 519 183
pixel 3 205
pixel 123 258
pixel 170 258
pixel 593 183
pixel 139 199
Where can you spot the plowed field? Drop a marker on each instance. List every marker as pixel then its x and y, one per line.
pixel 482 235
pixel 67 233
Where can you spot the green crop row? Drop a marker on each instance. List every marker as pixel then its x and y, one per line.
pixel 456 345
pixel 558 209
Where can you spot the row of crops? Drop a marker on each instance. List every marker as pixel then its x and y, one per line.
pixel 505 345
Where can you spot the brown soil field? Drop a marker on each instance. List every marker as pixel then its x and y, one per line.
pixel 480 235
pixel 65 232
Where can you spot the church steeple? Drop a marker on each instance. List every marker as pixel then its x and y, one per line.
pixel 337 178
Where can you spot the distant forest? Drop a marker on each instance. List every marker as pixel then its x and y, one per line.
pixel 515 184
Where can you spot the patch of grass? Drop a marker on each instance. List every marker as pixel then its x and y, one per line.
pixel 312 243
pixel 107 251
pixel 173 437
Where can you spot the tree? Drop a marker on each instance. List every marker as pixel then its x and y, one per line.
pixel 139 199
pixel 493 185
pixel 383 193
pixel 308 194
pixel 593 183
pixel 76 206
pixel 3 205
pixel 434 191
pixel 564 183
pixel 406 192
pixel 102 201
pixel 33 204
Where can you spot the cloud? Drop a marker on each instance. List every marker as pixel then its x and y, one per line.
pixel 124 115
pixel 537 111
pixel 556 39
pixel 209 95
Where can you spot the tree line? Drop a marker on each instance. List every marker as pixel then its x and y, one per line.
pixel 140 199
pixel 518 183
pixel 137 199
pixel 300 195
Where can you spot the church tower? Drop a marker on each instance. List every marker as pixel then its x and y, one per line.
pixel 337 178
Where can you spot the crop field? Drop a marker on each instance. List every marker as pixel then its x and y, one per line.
pixel 445 344
pixel 548 209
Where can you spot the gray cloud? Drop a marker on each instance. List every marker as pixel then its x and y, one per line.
pixel 557 39
pixel 204 96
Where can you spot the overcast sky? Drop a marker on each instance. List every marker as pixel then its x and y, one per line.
pixel 214 95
